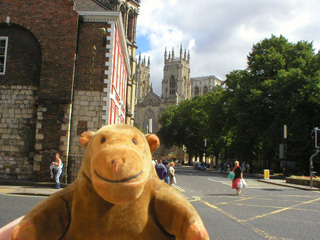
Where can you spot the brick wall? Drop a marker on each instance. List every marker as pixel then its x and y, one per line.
pixel 54 25
pixel 92 56
pixel 40 66
pixel 89 97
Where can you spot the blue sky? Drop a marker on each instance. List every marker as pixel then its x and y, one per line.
pixel 220 33
pixel 143 44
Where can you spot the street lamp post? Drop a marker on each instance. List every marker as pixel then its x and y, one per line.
pixel 285 135
pixel 205 145
pixel 316 132
pixel 150 125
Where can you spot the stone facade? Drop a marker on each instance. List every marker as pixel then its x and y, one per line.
pixel 143 79
pixel 18 124
pixel 148 109
pixel 202 85
pixel 176 84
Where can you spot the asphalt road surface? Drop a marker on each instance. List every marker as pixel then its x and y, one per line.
pixel 262 211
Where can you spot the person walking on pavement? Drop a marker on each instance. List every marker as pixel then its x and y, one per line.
pixel 247 168
pixel 161 170
pixel 56 169
pixel 237 177
pixel 166 164
pixel 172 174
pixel 243 166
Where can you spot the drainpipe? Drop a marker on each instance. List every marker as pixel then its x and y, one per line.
pixel 80 20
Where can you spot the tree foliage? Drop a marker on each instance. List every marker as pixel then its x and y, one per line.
pixel 244 120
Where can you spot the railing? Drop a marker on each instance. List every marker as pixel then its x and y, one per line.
pixel 74 163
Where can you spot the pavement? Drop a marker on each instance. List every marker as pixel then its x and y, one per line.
pixel 15 187
pixel 282 182
pixel 28 188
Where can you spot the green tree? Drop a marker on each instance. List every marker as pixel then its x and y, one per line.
pixel 215 127
pixel 245 118
pixel 280 86
pixel 184 125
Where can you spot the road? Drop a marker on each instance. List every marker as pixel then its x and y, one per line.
pixel 14 206
pixel 262 211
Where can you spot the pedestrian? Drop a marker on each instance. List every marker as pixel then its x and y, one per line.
pixel 247 168
pixel 172 174
pixel 243 166
pixel 56 169
pixel 161 170
pixel 167 179
pixel 237 177
pixel 154 162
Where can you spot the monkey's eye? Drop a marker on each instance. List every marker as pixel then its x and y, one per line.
pixel 134 141
pixel 103 139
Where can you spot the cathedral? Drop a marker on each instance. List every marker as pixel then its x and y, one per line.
pixel 176 86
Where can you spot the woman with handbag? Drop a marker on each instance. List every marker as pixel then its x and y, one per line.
pixel 237 177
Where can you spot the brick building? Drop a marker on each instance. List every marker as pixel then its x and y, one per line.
pixel 66 66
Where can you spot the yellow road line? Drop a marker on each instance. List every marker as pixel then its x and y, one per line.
pixel 196 198
pixel 268 206
pixel 178 188
pixel 254 229
pixel 281 210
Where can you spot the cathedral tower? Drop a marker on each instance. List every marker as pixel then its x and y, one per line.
pixel 142 78
pixel 176 84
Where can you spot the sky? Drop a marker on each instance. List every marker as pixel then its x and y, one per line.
pixel 219 34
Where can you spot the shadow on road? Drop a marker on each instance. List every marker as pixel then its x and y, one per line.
pixel 222 194
pixel 271 189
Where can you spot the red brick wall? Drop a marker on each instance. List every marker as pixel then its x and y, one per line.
pixel 91 64
pixel 23 57
pixel 54 24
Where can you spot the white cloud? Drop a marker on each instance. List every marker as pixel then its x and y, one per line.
pixel 220 33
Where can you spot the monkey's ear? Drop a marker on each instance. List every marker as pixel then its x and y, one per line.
pixel 154 142
pixel 85 138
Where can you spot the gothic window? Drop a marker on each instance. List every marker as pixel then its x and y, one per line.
pixel 185 90
pixel 3 54
pixel 130 27
pixel 205 89
pixel 123 14
pixel 172 85
pixel 196 91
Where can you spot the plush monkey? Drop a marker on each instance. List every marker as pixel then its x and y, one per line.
pixel 117 196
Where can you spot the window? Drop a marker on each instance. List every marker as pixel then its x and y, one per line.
pixel 196 91
pixel 172 86
pixel 205 90
pixel 123 14
pixel 130 26
pixel 3 54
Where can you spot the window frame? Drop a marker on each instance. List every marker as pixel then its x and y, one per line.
pixel 172 86
pixel 196 91
pixel 3 66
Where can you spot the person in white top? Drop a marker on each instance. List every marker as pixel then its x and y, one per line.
pixel 172 173
pixel 56 169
